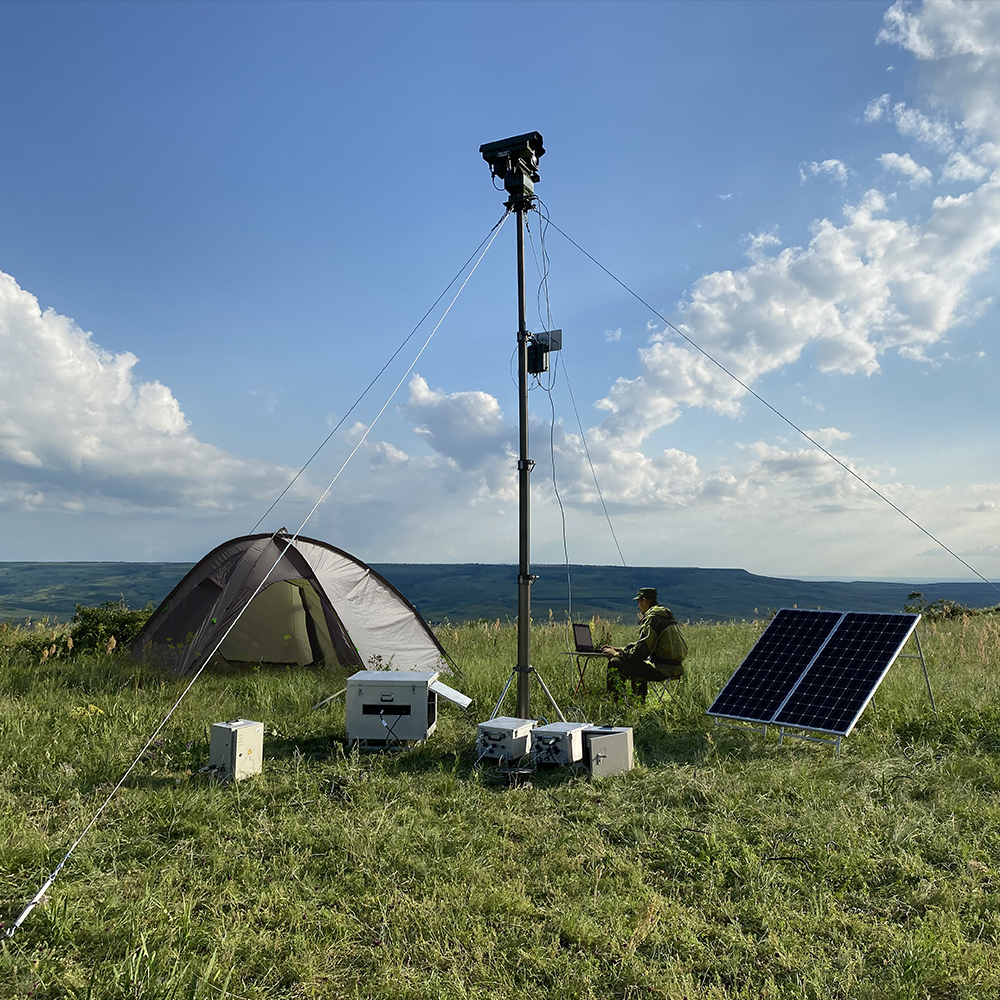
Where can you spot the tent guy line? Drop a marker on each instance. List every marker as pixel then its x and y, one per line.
pixel 37 898
pixel 791 423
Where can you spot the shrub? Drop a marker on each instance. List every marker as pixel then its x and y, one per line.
pixel 93 628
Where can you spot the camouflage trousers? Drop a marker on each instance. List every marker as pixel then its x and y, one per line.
pixel 639 673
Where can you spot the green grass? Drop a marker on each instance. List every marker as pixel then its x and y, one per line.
pixel 723 866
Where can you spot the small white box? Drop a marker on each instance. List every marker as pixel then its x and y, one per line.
pixel 236 750
pixel 504 737
pixel 558 742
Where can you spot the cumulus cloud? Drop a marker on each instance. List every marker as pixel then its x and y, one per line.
pixel 903 163
pixel 960 41
pixel 962 168
pixel 79 431
pixel 836 169
pixel 464 427
pixel 862 286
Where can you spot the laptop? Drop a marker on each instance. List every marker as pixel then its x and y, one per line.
pixel 583 639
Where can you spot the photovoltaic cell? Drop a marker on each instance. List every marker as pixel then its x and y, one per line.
pixel 840 683
pixel 778 659
pixel 814 669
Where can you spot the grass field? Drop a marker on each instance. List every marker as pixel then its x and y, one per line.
pixel 723 866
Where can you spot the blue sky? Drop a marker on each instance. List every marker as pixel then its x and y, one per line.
pixel 217 221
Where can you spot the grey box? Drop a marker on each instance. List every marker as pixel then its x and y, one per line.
pixel 608 750
pixel 236 750
pixel 504 737
pixel 558 742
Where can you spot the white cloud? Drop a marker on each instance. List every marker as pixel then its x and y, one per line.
pixel 78 431
pixel 613 336
pixel 870 284
pixel 836 169
pixel 828 436
pixel 936 133
pixel 961 43
pixel 725 197
pixel 466 427
pixel 961 167
pixel 903 163
pixel 877 108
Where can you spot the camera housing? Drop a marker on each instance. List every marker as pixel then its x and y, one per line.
pixel 515 162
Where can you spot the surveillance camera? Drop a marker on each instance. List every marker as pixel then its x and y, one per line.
pixel 518 154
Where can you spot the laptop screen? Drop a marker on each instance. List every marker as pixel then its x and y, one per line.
pixel 582 637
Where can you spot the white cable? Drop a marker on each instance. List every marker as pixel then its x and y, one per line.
pixel 37 898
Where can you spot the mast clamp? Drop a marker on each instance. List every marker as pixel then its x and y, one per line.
pixel 528 578
pixel 525 464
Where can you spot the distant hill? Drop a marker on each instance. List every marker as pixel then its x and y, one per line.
pixel 463 591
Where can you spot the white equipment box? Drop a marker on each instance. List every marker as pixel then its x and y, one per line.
pixel 504 737
pixel 236 750
pixel 559 742
pixel 607 749
pixel 395 707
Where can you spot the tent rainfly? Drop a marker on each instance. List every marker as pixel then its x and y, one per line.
pixel 319 605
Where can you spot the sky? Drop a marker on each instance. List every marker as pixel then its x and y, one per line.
pixel 219 221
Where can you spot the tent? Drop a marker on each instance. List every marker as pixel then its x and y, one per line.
pixel 318 606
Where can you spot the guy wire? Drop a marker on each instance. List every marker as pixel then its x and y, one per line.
pixel 380 372
pixel 829 454
pixel 36 899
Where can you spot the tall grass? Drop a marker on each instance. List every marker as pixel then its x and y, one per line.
pixel 723 866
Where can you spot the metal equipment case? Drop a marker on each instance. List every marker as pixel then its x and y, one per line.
pixel 558 742
pixel 607 749
pixel 395 707
pixel 504 737
pixel 236 750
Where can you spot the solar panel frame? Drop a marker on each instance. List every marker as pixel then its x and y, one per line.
pixel 810 694
pixel 752 685
pixel 846 673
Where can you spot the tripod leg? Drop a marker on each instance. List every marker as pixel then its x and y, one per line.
pixel 503 694
pixel 562 718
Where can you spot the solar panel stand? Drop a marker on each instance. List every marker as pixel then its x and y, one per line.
pixel 782 731
pixel 748 726
pixel 919 655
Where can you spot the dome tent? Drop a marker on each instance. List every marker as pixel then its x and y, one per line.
pixel 318 605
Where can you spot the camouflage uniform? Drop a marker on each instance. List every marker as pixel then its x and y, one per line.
pixel 639 662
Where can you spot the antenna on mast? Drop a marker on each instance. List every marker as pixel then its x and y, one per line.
pixel 515 162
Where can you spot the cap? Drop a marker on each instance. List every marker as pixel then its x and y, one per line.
pixel 646 594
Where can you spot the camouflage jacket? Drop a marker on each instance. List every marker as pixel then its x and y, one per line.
pixel 654 622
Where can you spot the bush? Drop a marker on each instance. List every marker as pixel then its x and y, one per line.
pixel 93 628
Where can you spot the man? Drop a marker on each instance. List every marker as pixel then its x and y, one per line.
pixel 656 655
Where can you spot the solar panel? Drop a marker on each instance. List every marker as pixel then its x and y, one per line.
pixel 841 681
pixel 814 670
pixel 778 659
